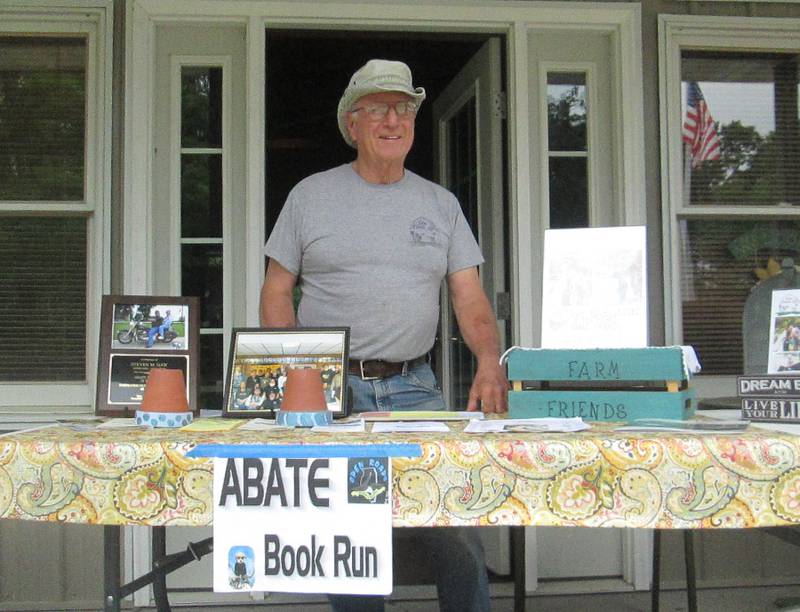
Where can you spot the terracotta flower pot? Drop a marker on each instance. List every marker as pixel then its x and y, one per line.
pixel 303 391
pixel 165 391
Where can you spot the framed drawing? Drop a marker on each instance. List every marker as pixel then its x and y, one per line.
pixel 260 359
pixel 139 333
pixel 784 333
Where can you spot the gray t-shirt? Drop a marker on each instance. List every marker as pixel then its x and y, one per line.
pixel 372 257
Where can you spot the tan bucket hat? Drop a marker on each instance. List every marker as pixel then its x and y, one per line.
pixel 375 76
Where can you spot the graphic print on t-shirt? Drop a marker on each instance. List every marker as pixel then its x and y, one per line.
pixel 424 231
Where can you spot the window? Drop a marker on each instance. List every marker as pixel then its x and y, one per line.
pixel 735 183
pixel 51 202
pixel 201 216
pixel 567 145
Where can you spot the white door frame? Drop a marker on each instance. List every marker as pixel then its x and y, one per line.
pixel 514 20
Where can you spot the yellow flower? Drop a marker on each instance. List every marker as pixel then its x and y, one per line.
pixel 772 268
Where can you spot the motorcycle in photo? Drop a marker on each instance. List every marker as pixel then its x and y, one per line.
pixel 137 331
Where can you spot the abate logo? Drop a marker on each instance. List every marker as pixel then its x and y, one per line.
pixel 367 480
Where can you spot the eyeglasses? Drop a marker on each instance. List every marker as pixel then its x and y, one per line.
pixel 379 110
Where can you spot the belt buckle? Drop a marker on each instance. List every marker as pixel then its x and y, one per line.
pixel 364 376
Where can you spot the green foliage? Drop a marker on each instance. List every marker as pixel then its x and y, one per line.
pixel 750 170
pixel 567 121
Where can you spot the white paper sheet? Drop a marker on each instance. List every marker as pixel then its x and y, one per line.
pixel 523 425
pixel 594 288
pixel 348 427
pixel 410 426
pixel 259 424
pixel 119 423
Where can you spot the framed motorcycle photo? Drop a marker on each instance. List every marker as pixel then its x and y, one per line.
pixel 137 334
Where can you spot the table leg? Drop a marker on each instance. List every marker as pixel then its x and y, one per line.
pixel 518 566
pixel 111 568
pixel 691 584
pixel 655 587
pixel 159 552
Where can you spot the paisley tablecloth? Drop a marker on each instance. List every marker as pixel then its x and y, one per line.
pixel 596 478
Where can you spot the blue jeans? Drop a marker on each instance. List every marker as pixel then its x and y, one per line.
pixel 151 336
pixel 416 390
pixel 455 552
pixel 155 331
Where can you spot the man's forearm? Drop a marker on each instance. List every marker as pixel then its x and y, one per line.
pixel 479 330
pixel 277 306
pixel 276 310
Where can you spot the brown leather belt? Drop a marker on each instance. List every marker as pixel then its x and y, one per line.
pixel 371 369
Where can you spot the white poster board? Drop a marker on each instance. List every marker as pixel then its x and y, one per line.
pixel 319 525
pixel 784 332
pixel 594 288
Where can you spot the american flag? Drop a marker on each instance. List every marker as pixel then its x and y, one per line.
pixel 699 129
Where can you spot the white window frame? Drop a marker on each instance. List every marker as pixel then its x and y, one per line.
pixel 26 402
pixel 677 32
pixel 224 63
pixel 588 70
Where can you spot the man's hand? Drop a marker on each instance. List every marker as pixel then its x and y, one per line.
pixel 489 391
pixel 479 328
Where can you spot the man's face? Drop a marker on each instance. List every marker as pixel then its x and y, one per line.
pixel 382 140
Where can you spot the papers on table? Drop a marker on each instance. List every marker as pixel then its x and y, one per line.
pixel 695 426
pixel 259 424
pixel 422 415
pixel 410 426
pixel 342 427
pixel 118 423
pixel 212 424
pixel 26 430
pixel 82 423
pixel 525 425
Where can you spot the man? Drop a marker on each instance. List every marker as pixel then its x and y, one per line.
pixel 155 325
pixel 369 244
pixel 165 325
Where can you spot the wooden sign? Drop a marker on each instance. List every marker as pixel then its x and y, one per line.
pixel 303 525
pixel 770 397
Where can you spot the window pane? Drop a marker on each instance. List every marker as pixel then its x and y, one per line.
pixel 42 299
pixel 463 182
pixel 569 205
pixel 741 128
pixel 201 196
pixel 566 107
pixel 201 107
pixel 462 162
pixel 211 369
pixel 718 272
pixel 42 118
pixel 201 275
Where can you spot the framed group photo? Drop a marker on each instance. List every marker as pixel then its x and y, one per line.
pixel 260 360
pixel 139 333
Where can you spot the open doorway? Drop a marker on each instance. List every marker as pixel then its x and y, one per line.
pixel 306 73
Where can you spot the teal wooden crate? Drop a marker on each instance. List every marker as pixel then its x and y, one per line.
pixel 601 405
pixel 639 364
pixel 600 384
